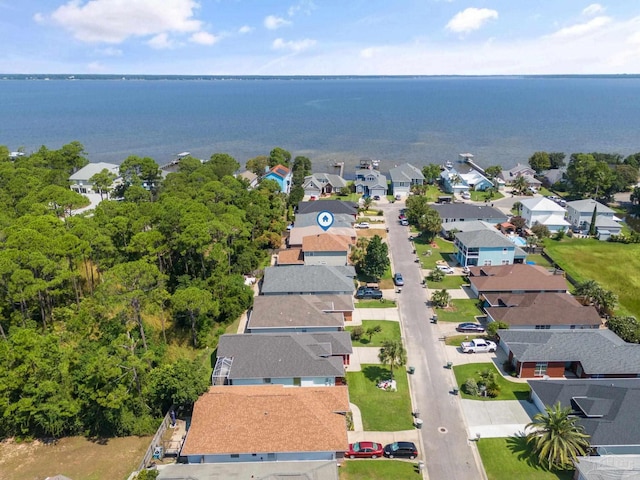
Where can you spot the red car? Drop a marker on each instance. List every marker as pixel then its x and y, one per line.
pixel 402 216
pixel 365 450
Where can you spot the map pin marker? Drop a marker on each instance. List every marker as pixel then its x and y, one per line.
pixel 325 220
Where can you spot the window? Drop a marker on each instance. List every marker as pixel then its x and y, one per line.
pixel 541 369
pixel 505 262
pixel 266 380
pixel 487 263
pixel 235 455
pixel 505 251
pixel 543 327
pixel 297 382
pixel 271 456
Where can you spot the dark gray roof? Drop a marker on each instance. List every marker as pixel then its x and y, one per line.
pixel 468 211
pixel 405 173
pixel 484 238
pixel 321 179
pixel 308 279
pixel 380 180
pixel 612 404
pixel 601 352
pixel 285 355
pixel 333 206
pixel 299 311
pixel 339 220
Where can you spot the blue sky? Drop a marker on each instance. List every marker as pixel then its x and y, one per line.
pixel 321 37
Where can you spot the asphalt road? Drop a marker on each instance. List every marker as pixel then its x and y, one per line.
pixel 448 453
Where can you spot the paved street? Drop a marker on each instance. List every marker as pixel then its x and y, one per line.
pixel 448 452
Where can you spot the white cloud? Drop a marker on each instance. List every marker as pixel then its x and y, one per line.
pixel 294 46
pixel 245 29
pixel 367 52
pixel 593 9
pixel 113 21
pixel 160 42
pixel 580 29
pixel 273 23
pixel 39 18
pixel 204 38
pixel 96 67
pixel 109 52
pixel 470 19
pixel 304 6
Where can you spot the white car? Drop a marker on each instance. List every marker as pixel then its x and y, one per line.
pixel 445 268
pixel 466 195
pixel 362 225
pixel 478 345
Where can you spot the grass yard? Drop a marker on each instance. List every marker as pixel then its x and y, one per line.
pixel 538 260
pixel 508 390
pixel 456 340
pixel 74 457
pixel 459 310
pixel 381 410
pixel 615 266
pixel 511 458
pixel 479 196
pixel 379 470
pixel 386 282
pixel 449 282
pixel 442 251
pixel 351 197
pixel 432 193
pixel 389 331
pixel 384 303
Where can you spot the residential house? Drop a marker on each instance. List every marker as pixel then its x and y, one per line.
pixel 81 180
pixel 540 311
pixel 309 469
pixel 476 181
pixel 486 247
pixel 251 178
pixel 608 412
pixel 320 184
pixel 580 214
pixel 268 423
pixel 452 181
pixel 604 466
pixel 291 359
pixel 282 175
pixel 541 210
pixel 553 176
pixel 370 183
pixel 326 249
pixel 297 234
pixel 453 215
pixel 340 220
pixel 511 175
pixel 334 206
pixel 451 228
pixel 290 256
pixel 299 313
pixel 516 278
pixel 598 353
pixel 174 165
pixel 308 280
pixel 403 177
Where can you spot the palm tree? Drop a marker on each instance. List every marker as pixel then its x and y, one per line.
pixel 440 298
pixel 520 185
pixel 556 438
pixel 392 353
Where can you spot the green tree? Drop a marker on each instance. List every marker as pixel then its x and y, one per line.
pixel 178 383
pixel 493 327
pixel 279 156
pixel 295 195
pixel 557 159
pixel 592 225
pixel 431 173
pixel 222 164
pixel 520 185
pixel 140 171
pixel 540 230
pixel 376 259
pixel 493 172
pixel 436 275
pixel 627 328
pixel 540 162
pixel 371 331
pixel 392 353
pixel 198 305
pixel 557 439
pixel 102 181
pixel 258 165
pixel 440 298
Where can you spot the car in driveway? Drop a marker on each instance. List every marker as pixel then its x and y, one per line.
pixel 366 293
pixel 445 268
pixel 465 195
pixel 470 327
pixel 404 222
pixel 478 345
pixel 362 225
pixel 398 280
pixel 365 450
pixel 401 450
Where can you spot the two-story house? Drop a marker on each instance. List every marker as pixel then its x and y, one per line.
pixel 81 180
pixel 282 175
pixel 370 183
pixel 326 249
pixel 580 214
pixel 540 210
pixel 320 184
pixel 403 177
pixel 486 247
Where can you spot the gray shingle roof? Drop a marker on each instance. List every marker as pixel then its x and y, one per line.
pixel 484 238
pixel 88 171
pixel 601 352
pixel 405 173
pixel 617 401
pixel 285 355
pixel 587 205
pixel 380 180
pixel 308 279
pixel 469 211
pixel 340 220
pixel 333 206
pixel 299 311
pixel 321 179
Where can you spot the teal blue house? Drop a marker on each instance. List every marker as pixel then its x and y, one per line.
pixel 486 247
pixel 282 175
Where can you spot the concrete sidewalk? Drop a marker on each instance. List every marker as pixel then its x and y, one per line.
pixel 386 437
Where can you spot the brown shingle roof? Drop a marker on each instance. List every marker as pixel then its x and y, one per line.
pixel 541 309
pixel 268 419
pixel 516 277
pixel 291 256
pixel 325 242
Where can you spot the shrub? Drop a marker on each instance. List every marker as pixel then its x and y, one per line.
pixel 508 367
pixel 493 327
pixel 357 333
pixel 471 387
pixel 436 275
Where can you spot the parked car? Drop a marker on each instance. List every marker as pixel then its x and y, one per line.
pixel 368 293
pixel 404 222
pixel 445 268
pixel 470 327
pixel 466 195
pixel 376 197
pixel 401 449
pixel 365 450
pixel 466 270
pixel 362 225
pixel 478 345
pixel 398 280
pixel 402 216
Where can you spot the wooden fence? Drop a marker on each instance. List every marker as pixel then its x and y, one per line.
pixel 156 441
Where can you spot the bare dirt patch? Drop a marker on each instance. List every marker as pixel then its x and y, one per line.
pixel 76 457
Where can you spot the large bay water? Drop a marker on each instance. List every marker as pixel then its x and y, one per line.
pixel 501 120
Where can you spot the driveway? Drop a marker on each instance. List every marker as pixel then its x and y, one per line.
pixel 497 418
pixel 362 355
pixel 359 314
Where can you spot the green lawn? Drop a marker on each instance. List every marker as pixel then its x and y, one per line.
pixel 508 390
pixel 539 260
pixel 448 282
pixel 459 310
pixel 432 193
pixel 352 197
pixel 385 282
pixel 390 331
pixel 456 340
pixel 478 196
pixel 615 266
pixel 384 303
pixel 381 410
pixel 379 470
pixel 442 251
pixel 511 458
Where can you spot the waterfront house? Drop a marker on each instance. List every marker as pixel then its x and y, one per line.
pixel 403 177
pixel 452 181
pixel 370 183
pixel 267 423
pixel 308 280
pixel 476 181
pixel 486 247
pixel 320 184
pixel 511 175
pixel 251 178
pixel 516 278
pixel 81 180
pixel 282 176
pixel 541 210
pixel 591 353
pixel 580 214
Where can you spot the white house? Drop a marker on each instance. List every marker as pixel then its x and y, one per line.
pixel 540 210
pixel 81 180
pixel 580 213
